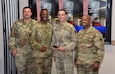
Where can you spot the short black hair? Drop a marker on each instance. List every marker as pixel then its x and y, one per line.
pixel 62 10
pixel 26 7
pixel 43 10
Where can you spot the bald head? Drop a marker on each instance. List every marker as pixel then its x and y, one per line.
pixel 87 17
pixel 86 21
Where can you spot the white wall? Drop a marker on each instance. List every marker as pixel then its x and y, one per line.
pixel 108 65
pixel 22 4
pixel 113 21
pixel 1 43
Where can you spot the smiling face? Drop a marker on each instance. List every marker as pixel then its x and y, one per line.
pixel 27 13
pixel 62 15
pixel 85 21
pixel 44 15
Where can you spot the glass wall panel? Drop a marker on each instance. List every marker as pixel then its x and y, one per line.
pixel 99 10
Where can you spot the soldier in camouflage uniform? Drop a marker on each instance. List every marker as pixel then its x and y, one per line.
pixel 90 51
pixel 41 59
pixel 19 37
pixel 64 42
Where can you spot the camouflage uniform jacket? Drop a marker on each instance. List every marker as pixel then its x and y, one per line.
pixel 19 35
pixel 41 36
pixel 66 36
pixel 90 46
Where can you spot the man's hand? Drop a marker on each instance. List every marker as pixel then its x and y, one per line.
pixel 61 48
pixel 43 48
pixel 14 53
pixel 95 66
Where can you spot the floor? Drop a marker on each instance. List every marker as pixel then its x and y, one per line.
pixel 108 65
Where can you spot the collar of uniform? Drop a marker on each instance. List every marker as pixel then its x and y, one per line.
pixel 43 23
pixel 88 29
pixel 25 23
pixel 63 23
